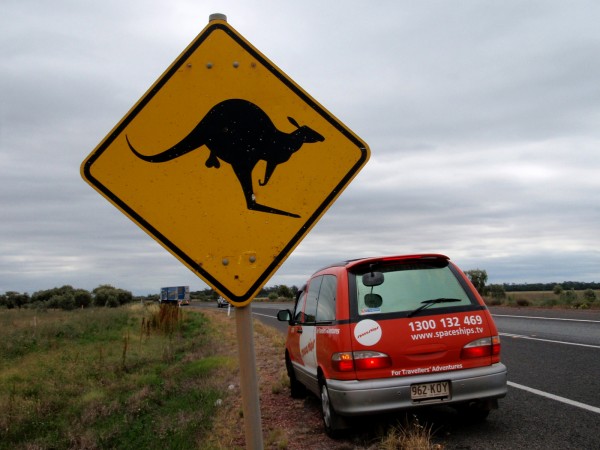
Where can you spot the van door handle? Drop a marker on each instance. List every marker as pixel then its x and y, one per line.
pixel 299 330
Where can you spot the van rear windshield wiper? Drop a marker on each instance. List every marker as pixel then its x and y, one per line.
pixel 427 303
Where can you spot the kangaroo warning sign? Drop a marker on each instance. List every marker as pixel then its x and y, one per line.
pixel 247 159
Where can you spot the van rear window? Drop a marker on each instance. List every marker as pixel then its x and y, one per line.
pixel 406 286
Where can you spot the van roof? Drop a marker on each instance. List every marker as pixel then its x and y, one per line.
pixel 348 264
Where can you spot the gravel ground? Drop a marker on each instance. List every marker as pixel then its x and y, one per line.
pixel 292 424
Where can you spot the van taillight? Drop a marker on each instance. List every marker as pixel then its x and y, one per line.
pixel 481 347
pixel 342 362
pixel 361 360
pixel 371 360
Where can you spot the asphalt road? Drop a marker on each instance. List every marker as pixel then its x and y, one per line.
pixel 553 401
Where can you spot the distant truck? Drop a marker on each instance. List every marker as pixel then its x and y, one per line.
pixel 179 295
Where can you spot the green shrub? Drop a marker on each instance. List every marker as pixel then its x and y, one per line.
pixel 568 297
pixel 558 289
pixel 589 295
pixel 497 291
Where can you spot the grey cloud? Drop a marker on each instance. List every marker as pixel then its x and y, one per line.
pixel 482 119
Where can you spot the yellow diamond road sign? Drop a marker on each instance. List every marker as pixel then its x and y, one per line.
pixel 226 162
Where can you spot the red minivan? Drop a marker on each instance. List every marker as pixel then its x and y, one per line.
pixel 376 335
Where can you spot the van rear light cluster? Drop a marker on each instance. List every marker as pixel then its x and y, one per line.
pixel 481 347
pixel 361 360
pixel 342 362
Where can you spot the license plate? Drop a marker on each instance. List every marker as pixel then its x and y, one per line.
pixel 425 391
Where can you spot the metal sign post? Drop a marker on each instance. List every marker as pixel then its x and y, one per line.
pixel 248 378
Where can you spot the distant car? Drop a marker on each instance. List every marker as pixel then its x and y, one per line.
pixel 222 303
pixel 384 334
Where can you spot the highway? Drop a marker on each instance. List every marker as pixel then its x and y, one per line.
pixel 553 401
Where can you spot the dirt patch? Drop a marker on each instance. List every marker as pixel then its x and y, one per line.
pixel 287 423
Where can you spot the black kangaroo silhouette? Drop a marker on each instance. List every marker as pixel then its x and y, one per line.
pixel 240 133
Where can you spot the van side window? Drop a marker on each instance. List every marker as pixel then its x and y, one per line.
pixel 299 310
pixel 326 301
pixel 310 310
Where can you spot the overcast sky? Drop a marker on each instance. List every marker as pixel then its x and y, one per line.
pixel 483 120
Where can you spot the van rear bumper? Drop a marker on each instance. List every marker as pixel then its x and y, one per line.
pixel 356 397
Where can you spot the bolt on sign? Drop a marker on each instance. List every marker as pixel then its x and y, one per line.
pixel 226 162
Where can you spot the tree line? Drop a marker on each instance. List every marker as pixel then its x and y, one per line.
pixel 565 290
pixel 479 279
pixel 566 285
pixel 270 292
pixel 67 298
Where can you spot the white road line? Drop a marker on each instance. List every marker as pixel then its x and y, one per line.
pixel 520 336
pixel 264 315
pixel 555 397
pixel 546 318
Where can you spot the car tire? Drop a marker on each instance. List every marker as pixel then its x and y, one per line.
pixel 334 424
pixel 297 389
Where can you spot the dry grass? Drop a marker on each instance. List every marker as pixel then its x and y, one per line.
pixel 410 436
pixel 103 379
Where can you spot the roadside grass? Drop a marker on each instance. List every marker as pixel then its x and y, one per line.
pixel 130 377
pixel 545 299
